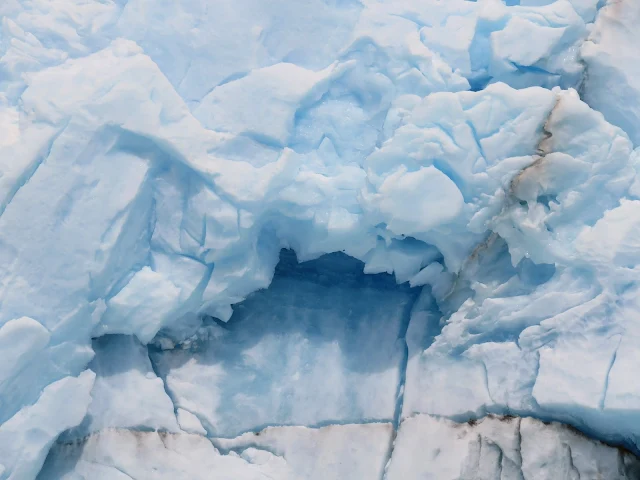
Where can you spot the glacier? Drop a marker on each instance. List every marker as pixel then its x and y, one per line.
pixel 324 239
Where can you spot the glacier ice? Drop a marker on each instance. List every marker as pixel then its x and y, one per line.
pixel 427 447
pixel 291 453
pixel 611 85
pixel 502 447
pixel 27 436
pixel 302 239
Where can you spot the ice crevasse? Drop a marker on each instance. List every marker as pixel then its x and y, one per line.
pixel 325 239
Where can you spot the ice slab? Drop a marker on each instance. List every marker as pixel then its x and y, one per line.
pixel 507 448
pixel 612 84
pixel 282 453
pixel 26 437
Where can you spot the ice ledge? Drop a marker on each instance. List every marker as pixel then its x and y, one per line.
pixel 505 448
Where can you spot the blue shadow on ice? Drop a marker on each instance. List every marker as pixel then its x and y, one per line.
pixel 323 344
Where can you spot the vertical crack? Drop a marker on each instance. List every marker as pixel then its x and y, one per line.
pixel 581 86
pixel 402 336
pixel 572 468
pixel 519 447
pixel 167 391
pixel 203 421
pixel 397 414
pixel 606 378
pixel 501 459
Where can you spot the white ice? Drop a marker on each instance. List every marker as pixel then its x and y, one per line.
pixel 502 448
pixel 283 453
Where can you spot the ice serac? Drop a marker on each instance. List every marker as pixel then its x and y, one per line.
pixel 346 221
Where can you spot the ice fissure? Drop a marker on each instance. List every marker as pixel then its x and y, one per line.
pixel 402 337
pixel 154 369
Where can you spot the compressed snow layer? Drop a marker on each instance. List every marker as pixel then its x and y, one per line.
pixel 506 448
pixel 283 453
pixel 156 156
pixel 425 448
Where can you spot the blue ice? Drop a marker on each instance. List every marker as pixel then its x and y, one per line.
pixel 323 344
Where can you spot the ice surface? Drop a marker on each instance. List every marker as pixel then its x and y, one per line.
pixel 535 322
pixel 612 83
pixel 26 437
pixel 459 180
pixel 502 448
pixel 507 448
pixel 283 453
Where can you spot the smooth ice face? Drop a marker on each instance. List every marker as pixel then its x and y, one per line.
pixel 156 157
pixel 323 344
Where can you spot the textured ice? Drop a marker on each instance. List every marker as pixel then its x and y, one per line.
pixel 426 448
pixel 287 453
pixel 458 179
pixel 612 81
pixel 501 448
pixel 27 436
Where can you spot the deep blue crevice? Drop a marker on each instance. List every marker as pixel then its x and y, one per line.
pixel 402 337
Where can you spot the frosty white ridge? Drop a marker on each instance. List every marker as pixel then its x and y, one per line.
pixel 301 239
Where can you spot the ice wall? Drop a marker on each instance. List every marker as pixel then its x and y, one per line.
pixel 156 157
pixel 496 447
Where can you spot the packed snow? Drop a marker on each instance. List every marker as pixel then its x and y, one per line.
pixel 319 239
